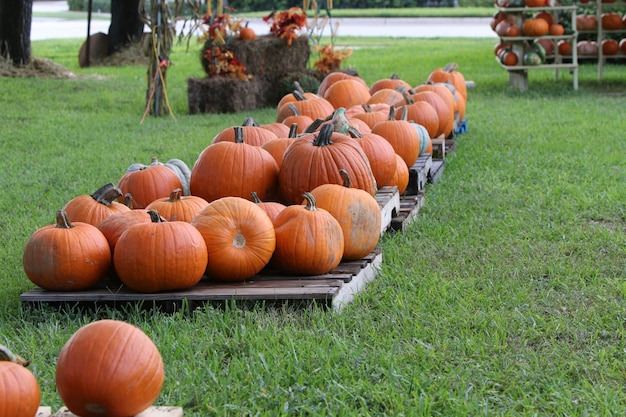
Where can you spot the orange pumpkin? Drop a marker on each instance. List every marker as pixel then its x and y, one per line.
pixel 234 169
pixel 547 16
pixel 149 183
pixel 357 212
pixel 253 133
pixel 400 178
pixel 380 154
pixel 333 77
pixel 535 27
pixel 315 107
pixel 370 117
pixel 421 112
pixel 177 207
pixel 316 158
pixel 109 368
pixel 94 208
pixel 564 47
pixel 347 93
pixel 277 147
pixel 271 208
pixel 401 135
pixel 451 74
pixel 556 29
pixel 611 21
pixel 113 226
pixel 246 33
pixel 610 46
pixel 392 83
pixel 66 256
pixel 300 120
pixel 239 236
pixel 535 3
pixel 320 252
pixel 19 390
pixel 160 255
pixel 444 108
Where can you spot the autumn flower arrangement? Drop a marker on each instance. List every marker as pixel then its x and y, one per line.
pixel 330 57
pixel 287 23
pixel 217 58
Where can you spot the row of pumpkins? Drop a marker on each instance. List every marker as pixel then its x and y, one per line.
pixel 297 195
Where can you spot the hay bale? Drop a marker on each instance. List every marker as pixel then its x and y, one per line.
pixel 226 95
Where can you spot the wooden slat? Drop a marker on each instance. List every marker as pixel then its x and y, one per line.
pixel 418 174
pixel 409 209
pixel 150 412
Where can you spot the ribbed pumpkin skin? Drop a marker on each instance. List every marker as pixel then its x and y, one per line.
pixel 315 108
pixel 403 138
pixel 380 154
pixel 109 368
pixel 160 256
pixel 66 256
pixel 445 110
pixel 423 113
pixel 234 169
pixel 239 236
pixel 19 391
pixel 307 165
pixel 334 77
pixel 149 184
pixel 347 93
pixel 401 176
pixel 357 212
pixel 308 242
pixel 94 208
pixel 450 74
pixel 177 207
pixel 113 226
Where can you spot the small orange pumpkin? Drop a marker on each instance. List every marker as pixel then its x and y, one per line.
pixel 66 256
pixel 239 236
pixel 347 93
pixel 149 183
pixel 20 394
pixel 94 208
pixel 535 27
pixel 246 33
pixel 160 255
pixel 556 29
pixel 177 207
pixel 357 212
pixel 320 252
pixel 109 368
pixel 610 46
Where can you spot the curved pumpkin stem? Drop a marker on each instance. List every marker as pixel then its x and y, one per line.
pixel 255 197
pixel 175 195
pixel 293 109
pixel 293 130
pixel 313 126
pixel 404 115
pixel 392 114
pixel 347 181
pixel 324 138
pixel 249 121
pixel 155 217
pixel 299 95
pixel 8 356
pixel 107 193
pixel 311 205
pixel 450 67
pixel 153 162
pixel 63 222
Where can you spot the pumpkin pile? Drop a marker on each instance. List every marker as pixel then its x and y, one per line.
pixel 255 191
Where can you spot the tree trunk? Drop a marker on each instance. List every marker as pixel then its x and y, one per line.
pixel 126 24
pixel 15 23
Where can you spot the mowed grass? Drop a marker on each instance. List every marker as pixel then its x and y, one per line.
pixel 506 296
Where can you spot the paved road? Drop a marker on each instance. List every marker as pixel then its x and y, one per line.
pixel 48 28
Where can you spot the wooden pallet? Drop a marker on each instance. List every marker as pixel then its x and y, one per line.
pixel 409 209
pixel 150 412
pixel 418 174
pixel 388 199
pixel 333 289
pixel 442 147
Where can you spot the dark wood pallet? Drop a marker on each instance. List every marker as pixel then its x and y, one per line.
pixel 150 412
pixel 418 174
pixel 409 209
pixel 333 289
pixel 442 147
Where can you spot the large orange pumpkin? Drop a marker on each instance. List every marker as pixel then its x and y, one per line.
pixel 445 110
pixel 19 390
pixel 177 207
pixel 333 77
pixel 316 158
pixel 309 240
pixel 380 154
pixel 109 368
pixel 347 93
pixel 234 169
pixel 253 133
pixel 401 176
pixel 94 208
pixel 149 183
pixel 66 256
pixel 357 212
pixel 160 255
pixel 239 236
pixel 394 83
pixel 535 27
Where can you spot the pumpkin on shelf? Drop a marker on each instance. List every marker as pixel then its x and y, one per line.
pixel 94 208
pixel 234 169
pixel 20 394
pixel 535 27
pixel 66 256
pixel 160 255
pixel 316 158
pixel 357 212
pixel 109 368
pixel 611 21
pixel 556 29
pixel 610 47
pixel 508 57
pixel 587 47
pixel 239 236
pixel 564 47
pixel 534 3
pixel 323 249
pixel 177 207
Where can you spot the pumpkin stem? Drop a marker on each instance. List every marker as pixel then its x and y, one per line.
pixel 153 162
pixel 293 109
pixel 392 114
pixel 107 193
pixel 175 195
pixel 347 181
pixel 128 200
pixel 394 76
pixel 255 197
pixel 354 132
pixel 298 95
pixel 324 138
pixel 155 217
pixel 298 87
pixel 310 201
pixel 293 130
pixel 450 67
pixel 8 356
pixel 63 222
pixel 238 134
pixel 405 113
pixel 313 126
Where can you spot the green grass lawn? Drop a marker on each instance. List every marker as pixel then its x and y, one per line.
pixel 505 297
